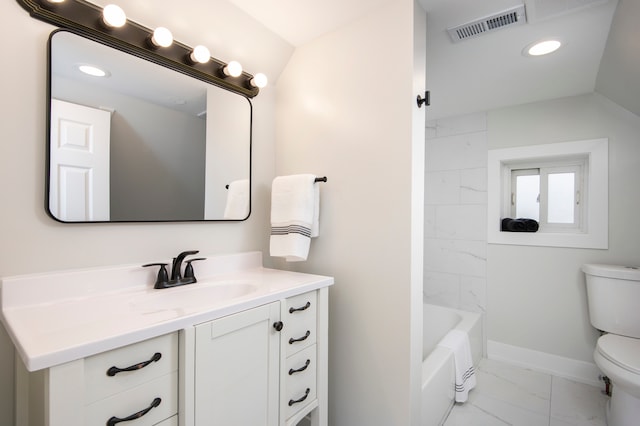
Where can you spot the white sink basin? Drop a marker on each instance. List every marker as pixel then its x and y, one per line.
pixel 193 296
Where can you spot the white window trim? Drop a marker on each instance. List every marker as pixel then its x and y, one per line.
pixel 595 232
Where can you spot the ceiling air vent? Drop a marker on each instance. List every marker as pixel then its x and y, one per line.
pixel 507 18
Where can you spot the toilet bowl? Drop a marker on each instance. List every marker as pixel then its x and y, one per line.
pixel 612 294
pixel 618 358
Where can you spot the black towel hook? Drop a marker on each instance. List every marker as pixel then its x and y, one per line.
pixel 426 100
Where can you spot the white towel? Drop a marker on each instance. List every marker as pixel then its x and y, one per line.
pixel 237 200
pixel 458 342
pixel 295 202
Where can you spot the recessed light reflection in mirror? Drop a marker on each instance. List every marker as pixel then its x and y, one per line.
pixel 93 70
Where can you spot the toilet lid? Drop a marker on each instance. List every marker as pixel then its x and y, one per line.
pixel 621 350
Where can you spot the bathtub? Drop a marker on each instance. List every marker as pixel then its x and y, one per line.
pixel 438 374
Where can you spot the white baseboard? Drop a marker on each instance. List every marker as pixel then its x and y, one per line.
pixel 573 369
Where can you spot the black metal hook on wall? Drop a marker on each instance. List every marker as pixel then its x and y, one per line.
pixel 426 100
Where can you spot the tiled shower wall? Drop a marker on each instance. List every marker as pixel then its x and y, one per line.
pixel 456 213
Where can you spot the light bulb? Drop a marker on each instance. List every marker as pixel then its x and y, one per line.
pixel 200 54
pixel 113 16
pixel 55 1
pixel 162 37
pixel 233 69
pixel 259 80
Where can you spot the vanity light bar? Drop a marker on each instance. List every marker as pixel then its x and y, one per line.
pixel 87 19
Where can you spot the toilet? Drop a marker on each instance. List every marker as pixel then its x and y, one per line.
pixel 613 295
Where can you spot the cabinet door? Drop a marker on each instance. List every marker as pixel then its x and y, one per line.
pixel 237 369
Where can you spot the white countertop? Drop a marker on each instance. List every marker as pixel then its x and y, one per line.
pixel 63 316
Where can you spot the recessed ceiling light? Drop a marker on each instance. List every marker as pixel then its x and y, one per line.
pixel 543 47
pixel 92 70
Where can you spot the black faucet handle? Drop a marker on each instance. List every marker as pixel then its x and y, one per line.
pixel 188 270
pixel 163 276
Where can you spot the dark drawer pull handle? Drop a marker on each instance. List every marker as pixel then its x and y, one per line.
pixel 115 420
pixel 306 394
pixel 304 308
pixel 300 339
pixel 115 370
pixel 304 367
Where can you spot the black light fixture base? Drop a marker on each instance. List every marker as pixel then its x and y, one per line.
pixel 86 19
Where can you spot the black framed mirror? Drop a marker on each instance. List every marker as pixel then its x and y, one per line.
pixel 168 146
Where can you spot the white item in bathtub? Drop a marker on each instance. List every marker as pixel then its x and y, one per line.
pixel 458 342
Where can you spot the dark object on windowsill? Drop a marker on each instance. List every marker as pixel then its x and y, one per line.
pixel 519 225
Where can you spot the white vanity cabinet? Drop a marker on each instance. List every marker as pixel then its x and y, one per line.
pixel 299 360
pixel 265 366
pixel 236 369
pixel 245 346
pixel 304 358
pixel 104 389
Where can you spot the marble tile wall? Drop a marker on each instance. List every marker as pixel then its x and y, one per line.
pixel 455 212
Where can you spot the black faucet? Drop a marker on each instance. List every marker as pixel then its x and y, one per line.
pixel 177 264
pixel 177 279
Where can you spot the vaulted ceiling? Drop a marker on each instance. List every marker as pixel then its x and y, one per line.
pixel 490 71
pixel 601 49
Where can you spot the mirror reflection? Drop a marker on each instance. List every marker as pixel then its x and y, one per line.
pixel 132 141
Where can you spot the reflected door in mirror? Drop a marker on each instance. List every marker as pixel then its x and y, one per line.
pixel 79 162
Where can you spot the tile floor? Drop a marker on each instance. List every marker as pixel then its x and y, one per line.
pixel 508 395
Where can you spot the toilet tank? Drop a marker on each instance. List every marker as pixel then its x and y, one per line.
pixel 613 296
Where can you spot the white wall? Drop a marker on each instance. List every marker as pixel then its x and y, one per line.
pixel 536 295
pixel 345 106
pixel 620 63
pixel 32 242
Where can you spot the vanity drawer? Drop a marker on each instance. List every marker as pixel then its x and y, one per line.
pixel 99 385
pixel 299 317
pixel 300 375
pixel 137 399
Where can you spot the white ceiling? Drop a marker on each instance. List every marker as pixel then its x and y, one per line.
pixel 300 21
pixel 486 72
pixel 477 74
pixel 491 72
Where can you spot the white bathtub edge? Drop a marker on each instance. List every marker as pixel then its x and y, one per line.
pixel 438 386
pixel 568 368
pixel 438 369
